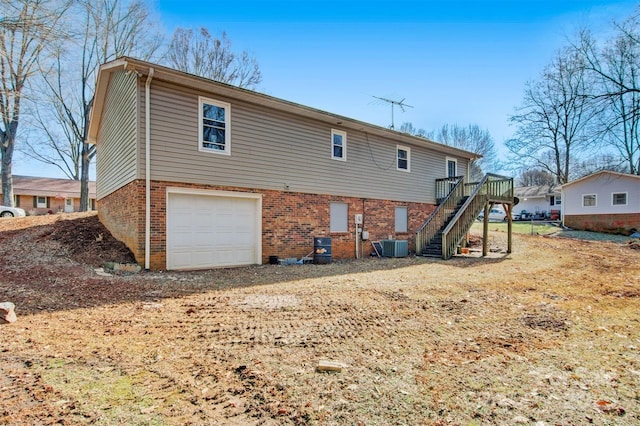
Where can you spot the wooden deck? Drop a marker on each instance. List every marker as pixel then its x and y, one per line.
pixel 460 203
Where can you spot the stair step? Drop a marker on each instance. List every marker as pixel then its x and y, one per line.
pixel 434 255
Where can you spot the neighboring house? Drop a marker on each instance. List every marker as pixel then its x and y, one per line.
pixel 39 195
pixel 538 200
pixel 604 201
pixel 193 173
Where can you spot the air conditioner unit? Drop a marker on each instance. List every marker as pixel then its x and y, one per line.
pixel 395 248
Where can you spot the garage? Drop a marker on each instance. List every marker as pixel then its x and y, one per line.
pixel 209 229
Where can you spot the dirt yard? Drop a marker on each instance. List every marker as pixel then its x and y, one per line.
pixel 548 335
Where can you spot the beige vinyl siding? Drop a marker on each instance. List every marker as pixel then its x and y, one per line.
pixel 275 150
pixel 117 135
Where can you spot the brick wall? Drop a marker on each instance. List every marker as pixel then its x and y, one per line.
pixel 122 213
pixel 611 223
pixel 290 221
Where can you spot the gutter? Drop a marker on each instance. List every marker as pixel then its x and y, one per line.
pixel 147 169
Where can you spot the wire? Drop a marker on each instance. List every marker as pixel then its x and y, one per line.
pixel 373 158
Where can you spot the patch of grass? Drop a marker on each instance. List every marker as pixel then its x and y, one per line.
pixel 114 393
pixel 527 228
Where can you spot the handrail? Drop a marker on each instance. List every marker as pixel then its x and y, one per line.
pixel 492 188
pixel 437 219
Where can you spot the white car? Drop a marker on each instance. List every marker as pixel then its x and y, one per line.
pixel 495 215
pixel 6 211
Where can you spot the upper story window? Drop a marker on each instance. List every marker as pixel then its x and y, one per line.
pixel 589 200
pixel 214 122
pixel 338 145
pixel 403 157
pixel 619 199
pixel 452 167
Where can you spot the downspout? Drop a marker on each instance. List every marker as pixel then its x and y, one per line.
pixel 147 169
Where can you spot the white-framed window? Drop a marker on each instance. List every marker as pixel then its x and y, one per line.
pixel 452 167
pixel 589 200
pixel 338 145
pixel 339 217
pixel 401 219
pixel 214 123
pixel 403 158
pixel 41 202
pixel 555 200
pixel 619 199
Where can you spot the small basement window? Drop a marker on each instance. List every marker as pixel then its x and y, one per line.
pixel 214 126
pixel 589 200
pixel 401 219
pixel 339 217
pixel 619 198
pixel 403 156
pixel 338 145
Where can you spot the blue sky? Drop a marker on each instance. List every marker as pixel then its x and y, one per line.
pixel 463 62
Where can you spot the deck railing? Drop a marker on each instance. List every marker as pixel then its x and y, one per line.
pixel 450 192
pixel 491 189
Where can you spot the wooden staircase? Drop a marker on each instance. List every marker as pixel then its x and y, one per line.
pixel 458 208
pixel 434 247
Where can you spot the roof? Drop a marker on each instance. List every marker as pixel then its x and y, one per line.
pixel 536 191
pixel 50 187
pixel 159 72
pixel 602 172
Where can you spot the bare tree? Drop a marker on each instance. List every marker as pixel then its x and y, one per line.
pixel 598 163
pixel 104 30
pixel 553 123
pixel 198 52
pixel 535 177
pixel 470 138
pixel 616 70
pixel 25 30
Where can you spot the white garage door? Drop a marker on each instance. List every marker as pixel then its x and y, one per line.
pixel 206 231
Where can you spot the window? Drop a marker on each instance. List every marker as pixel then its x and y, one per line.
pixel 555 200
pixel 589 200
pixel 403 155
pixel 401 219
pixel 452 167
pixel 339 217
pixel 214 131
pixel 41 202
pixel 338 145
pixel 619 199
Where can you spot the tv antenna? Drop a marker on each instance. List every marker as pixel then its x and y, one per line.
pixel 393 103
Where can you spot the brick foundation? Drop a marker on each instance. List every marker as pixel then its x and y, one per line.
pixel 611 223
pixel 122 213
pixel 290 221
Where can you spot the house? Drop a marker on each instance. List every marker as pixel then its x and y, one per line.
pixel 193 173
pixel 41 195
pixel 539 200
pixel 604 201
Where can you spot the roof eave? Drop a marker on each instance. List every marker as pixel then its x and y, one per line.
pixel 230 91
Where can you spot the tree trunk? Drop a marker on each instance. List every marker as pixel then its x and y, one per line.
pixel 84 178
pixel 7 177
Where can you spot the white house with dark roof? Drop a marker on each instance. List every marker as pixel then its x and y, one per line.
pixel 538 200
